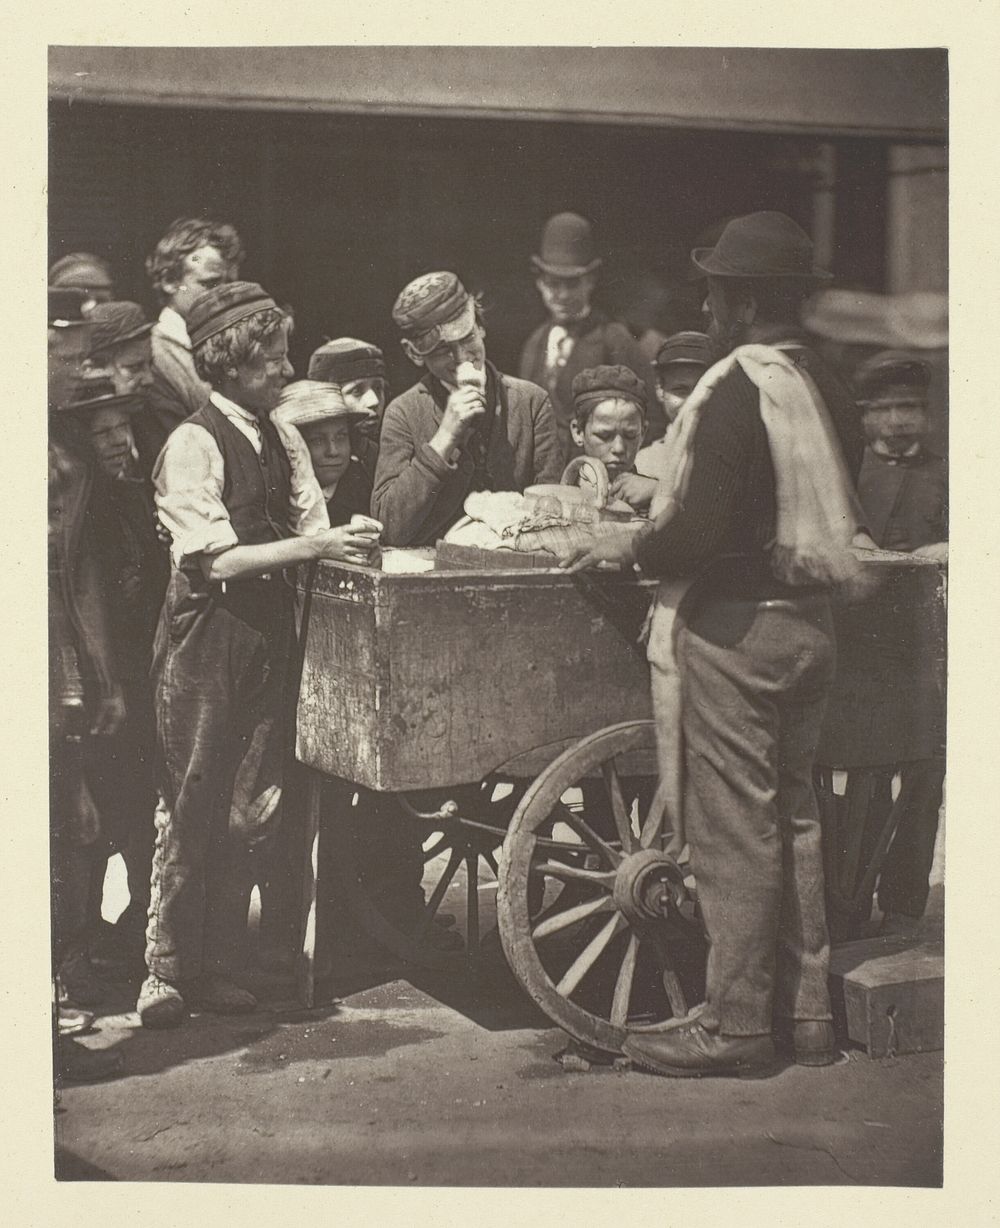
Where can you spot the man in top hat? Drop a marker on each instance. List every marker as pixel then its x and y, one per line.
pixel 576 335
pixel 755 649
pixel 85 697
pixel 83 271
pixel 224 491
pixel 903 489
pixel 465 426
pixel 359 368
pixel 195 255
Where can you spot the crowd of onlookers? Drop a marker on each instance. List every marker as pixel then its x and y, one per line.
pixel 190 468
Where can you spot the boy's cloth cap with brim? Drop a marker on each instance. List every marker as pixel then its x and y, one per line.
pixel 66 307
pixel 434 309
pixel 761 245
pixel 115 323
pixel 82 270
pixel 215 310
pixel 345 359
pixel 892 377
pixel 100 394
pixel 309 400
pixel 689 347
pixel 567 247
pixel 606 383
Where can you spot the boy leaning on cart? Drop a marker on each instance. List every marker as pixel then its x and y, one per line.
pixel 224 491
pixel 464 427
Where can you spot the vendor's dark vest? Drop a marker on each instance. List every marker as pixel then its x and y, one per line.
pixel 256 489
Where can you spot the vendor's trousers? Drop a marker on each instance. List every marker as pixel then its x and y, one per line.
pixel 220 665
pixel 755 678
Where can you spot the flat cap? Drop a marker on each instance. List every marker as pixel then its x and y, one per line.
pixel 685 347
pixel 66 307
pixel 605 383
pixel 308 400
pixel 892 377
pixel 220 308
pixel 434 308
pixel 345 360
pixel 100 393
pixel 116 323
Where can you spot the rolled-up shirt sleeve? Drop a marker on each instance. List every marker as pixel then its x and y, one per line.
pixel 188 481
pixel 307 505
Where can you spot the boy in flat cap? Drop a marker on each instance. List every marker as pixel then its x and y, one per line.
pixel 577 335
pixel 359 368
pixel 465 426
pixel 195 255
pixel 903 489
pixel 224 491
pixel 120 347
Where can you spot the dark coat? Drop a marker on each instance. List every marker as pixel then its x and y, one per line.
pixel 599 341
pixel 905 502
pixel 418 496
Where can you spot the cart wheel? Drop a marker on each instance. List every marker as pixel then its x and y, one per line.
pixel 596 920
pixel 459 875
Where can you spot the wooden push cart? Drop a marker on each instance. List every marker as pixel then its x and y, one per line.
pixel 505 717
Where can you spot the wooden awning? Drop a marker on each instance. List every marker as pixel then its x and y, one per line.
pixel 900 94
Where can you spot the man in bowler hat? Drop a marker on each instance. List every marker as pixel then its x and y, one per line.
pixel 577 334
pixel 755 653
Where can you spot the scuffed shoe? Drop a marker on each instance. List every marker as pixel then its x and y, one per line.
pixel 221 996
pixel 79 984
pixel 689 1052
pixel 811 1042
pixel 73 1022
pixel 160 1005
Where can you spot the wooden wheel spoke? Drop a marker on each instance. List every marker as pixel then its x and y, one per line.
pixel 575 874
pixel 671 982
pixel 590 954
pixel 563 920
pixel 652 826
pixel 491 861
pixel 434 903
pixel 440 843
pixel 590 837
pixel 472 902
pixel 623 985
pixel 623 823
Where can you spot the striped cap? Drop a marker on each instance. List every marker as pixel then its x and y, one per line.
pixel 309 400
pixel 220 308
pixel 434 308
pixel 346 359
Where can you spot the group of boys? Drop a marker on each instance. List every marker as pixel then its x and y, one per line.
pixel 172 689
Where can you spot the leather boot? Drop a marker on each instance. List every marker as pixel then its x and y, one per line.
pixel 689 1052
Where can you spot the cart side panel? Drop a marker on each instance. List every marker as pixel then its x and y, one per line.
pixel 342 679
pixel 483 669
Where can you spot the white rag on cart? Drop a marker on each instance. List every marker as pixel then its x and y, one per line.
pixel 818 516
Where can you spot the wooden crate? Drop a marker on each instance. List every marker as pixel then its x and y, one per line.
pixel 888 996
pixel 442 678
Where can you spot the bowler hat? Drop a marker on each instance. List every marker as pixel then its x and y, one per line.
pixel 116 323
pixel 760 245
pixel 567 247
pixel 892 377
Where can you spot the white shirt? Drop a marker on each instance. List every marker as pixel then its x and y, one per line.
pixel 171 324
pixel 188 480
